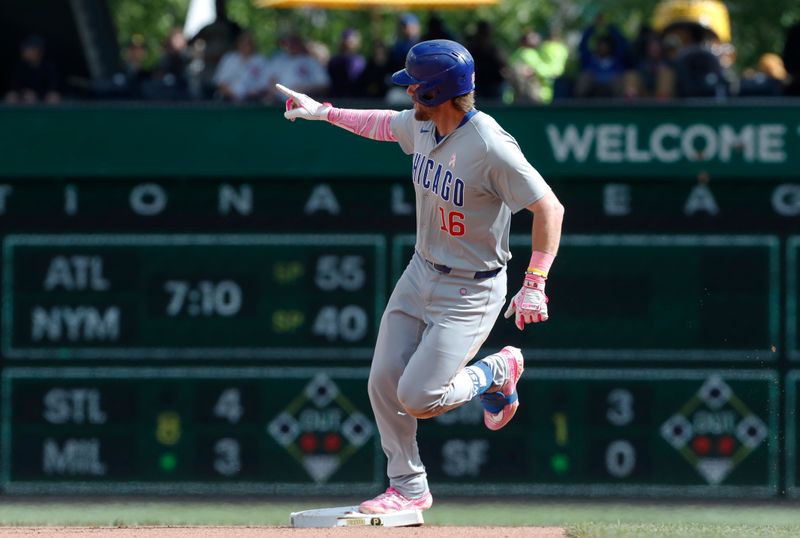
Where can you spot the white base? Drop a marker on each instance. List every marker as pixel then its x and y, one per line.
pixel 349 516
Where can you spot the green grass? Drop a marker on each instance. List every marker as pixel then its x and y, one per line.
pixel 680 530
pixel 581 519
pixel 132 513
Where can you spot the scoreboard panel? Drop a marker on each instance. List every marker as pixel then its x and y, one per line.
pixel 793 297
pixel 192 296
pixel 616 432
pixel 191 430
pixel 309 430
pixel 791 413
pixel 652 297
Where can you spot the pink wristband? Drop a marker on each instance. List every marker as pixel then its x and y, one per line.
pixel 540 263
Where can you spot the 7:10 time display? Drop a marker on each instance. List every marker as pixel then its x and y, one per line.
pixel 203 298
pixel 192 296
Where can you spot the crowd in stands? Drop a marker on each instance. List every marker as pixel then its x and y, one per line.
pixel 222 62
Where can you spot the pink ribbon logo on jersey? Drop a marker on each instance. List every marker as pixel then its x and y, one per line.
pixel 452 162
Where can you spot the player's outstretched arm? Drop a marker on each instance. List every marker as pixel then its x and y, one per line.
pixel 529 305
pixel 374 124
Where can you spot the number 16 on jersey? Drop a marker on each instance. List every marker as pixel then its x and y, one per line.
pixel 452 223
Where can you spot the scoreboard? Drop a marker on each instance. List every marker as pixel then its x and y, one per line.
pixel 196 296
pixel 309 430
pixel 147 342
pixel 202 321
pixel 192 296
pixel 644 281
pixel 190 430
pixel 635 432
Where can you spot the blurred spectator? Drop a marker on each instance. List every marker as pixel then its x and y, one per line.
pixel 699 71
pixel 652 75
pixel 767 79
pixel 242 74
pixel 603 51
pixel 345 68
pixel 136 74
pixel 319 51
pixel 437 29
pixel 199 87
pixel 791 59
pixel 214 41
pixel 726 53
pixel 671 46
pixel 638 49
pixel 373 81
pixel 408 35
pixel 33 77
pixel 296 68
pixel 490 63
pixel 535 66
pixel 170 73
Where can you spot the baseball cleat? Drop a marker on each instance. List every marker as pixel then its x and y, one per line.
pixel 501 403
pixel 393 501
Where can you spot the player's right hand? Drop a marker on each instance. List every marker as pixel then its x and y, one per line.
pixel 530 303
pixel 302 106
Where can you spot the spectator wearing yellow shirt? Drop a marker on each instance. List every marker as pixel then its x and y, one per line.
pixel 535 66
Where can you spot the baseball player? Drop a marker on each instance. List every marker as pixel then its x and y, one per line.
pixel 469 176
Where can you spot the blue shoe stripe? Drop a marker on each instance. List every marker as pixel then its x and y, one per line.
pixel 494 402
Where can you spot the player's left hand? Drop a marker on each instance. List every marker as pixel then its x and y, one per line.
pixel 299 105
pixel 530 303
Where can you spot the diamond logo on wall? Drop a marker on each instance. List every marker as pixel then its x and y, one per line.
pixel 714 431
pixel 320 428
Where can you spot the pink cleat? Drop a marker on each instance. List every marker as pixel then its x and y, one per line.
pixel 501 403
pixel 393 501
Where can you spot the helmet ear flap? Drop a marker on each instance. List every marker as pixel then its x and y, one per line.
pixel 427 94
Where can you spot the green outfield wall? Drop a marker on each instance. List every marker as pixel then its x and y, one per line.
pixel 745 141
pixel 189 298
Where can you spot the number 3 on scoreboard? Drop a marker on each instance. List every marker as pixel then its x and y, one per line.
pixel 453 224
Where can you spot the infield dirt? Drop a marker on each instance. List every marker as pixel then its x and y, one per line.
pixel 281 532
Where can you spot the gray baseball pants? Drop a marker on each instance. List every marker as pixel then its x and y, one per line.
pixel 433 325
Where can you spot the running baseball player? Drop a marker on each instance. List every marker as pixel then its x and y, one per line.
pixel 469 176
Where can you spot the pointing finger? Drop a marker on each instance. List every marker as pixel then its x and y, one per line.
pixel 287 92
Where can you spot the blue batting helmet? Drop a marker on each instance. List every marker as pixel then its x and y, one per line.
pixel 442 68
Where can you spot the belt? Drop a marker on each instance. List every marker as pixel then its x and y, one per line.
pixel 468 274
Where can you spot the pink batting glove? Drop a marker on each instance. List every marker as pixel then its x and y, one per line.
pixel 530 303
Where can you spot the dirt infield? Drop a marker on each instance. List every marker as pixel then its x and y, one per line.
pixel 282 532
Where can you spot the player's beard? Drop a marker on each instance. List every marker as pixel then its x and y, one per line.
pixel 421 112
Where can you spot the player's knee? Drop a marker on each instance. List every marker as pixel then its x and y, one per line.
pixel 416 401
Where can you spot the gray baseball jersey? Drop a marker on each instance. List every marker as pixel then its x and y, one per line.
pixel 467 186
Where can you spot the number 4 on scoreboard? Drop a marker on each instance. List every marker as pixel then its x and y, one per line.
pixel 229 405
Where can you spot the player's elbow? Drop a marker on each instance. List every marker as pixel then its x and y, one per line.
pixel 548 207
pixel 558 208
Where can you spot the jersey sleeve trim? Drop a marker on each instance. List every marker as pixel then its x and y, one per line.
pixel 533 200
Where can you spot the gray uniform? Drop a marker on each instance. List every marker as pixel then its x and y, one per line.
pixel 467 186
